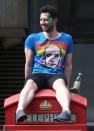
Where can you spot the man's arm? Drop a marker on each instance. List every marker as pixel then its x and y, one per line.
pixel 68 68
pixel 28 62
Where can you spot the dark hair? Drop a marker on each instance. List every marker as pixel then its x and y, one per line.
pixel 52 10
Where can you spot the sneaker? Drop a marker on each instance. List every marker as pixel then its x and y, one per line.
pixel 20 116
pixel 63 116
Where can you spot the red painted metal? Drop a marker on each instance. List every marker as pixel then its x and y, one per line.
pixel 78 107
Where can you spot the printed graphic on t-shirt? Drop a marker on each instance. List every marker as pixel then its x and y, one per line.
pixel 51 54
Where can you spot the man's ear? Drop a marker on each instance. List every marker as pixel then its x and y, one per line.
pixel 55 20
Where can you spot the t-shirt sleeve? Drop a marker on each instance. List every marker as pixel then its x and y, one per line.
pixel 29 42
pixel 70 44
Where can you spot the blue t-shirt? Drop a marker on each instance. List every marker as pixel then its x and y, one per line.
pixel 49 55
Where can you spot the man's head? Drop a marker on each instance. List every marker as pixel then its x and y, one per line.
pixel 48 17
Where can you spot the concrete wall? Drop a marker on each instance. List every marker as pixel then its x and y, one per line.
pixel 13 22
pixel 13 13
pixel 83 62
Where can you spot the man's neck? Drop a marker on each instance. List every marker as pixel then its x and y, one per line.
pixel 52 35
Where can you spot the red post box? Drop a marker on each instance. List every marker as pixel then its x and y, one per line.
pixel 41 112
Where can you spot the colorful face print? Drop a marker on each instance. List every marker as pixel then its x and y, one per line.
pixel 52 56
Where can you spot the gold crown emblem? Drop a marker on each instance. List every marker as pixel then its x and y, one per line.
pixel 45 105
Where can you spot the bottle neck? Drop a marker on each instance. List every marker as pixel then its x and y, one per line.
pixel 78 78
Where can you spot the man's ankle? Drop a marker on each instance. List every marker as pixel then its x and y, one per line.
pixel 19 109
pixel 66 110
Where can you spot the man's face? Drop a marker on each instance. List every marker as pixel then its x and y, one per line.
pixel 46 22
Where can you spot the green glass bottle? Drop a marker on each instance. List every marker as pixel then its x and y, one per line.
pixel 77 82
pixel 76 85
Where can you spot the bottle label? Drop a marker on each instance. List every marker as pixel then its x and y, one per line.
pixel 76 85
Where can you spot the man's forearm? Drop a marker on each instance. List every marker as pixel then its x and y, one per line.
pixel 28 70
pixel 68 74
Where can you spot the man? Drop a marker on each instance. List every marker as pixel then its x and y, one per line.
pixel 48 62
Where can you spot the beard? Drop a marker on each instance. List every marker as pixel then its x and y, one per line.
pixel 47 29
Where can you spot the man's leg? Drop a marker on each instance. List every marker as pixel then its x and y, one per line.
pixel 63 97
pixel 25 98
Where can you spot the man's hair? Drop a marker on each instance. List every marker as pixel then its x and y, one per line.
pixel 52 10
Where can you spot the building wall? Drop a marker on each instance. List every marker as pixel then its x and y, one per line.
pixel 13 13
pixel 13 21
pixel 83 62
